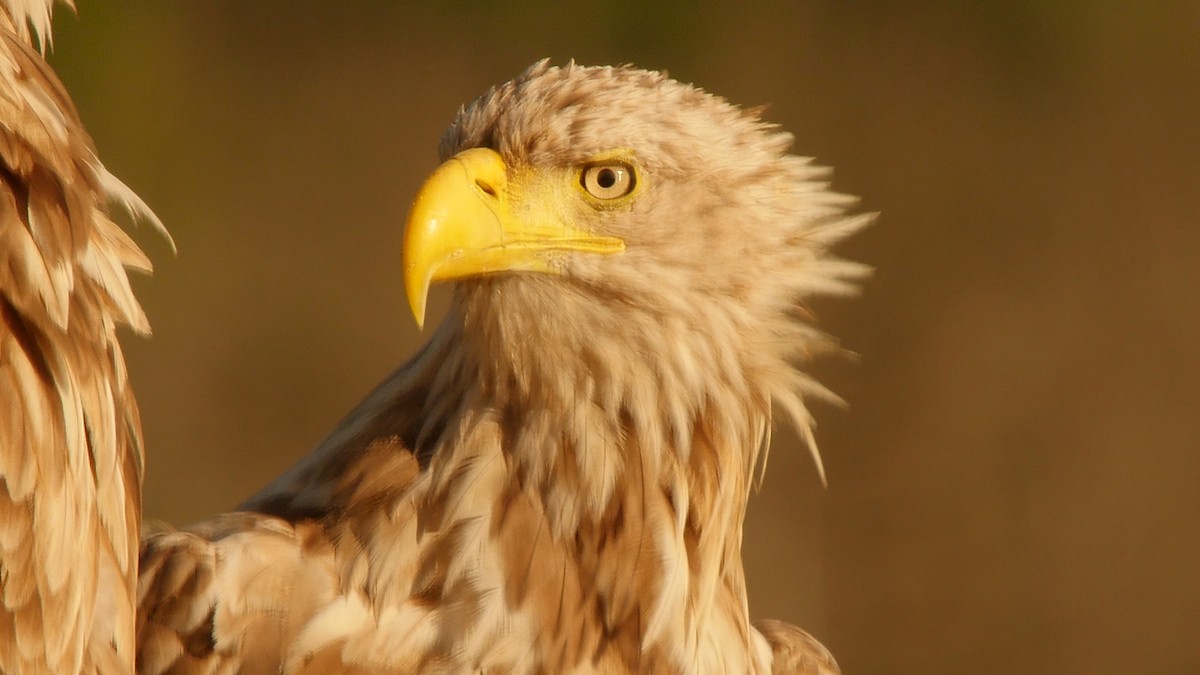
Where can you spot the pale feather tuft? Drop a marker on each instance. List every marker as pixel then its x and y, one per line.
pixel 30 20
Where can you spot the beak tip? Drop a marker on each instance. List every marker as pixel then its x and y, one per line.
pixel 417 295
pixel 417 305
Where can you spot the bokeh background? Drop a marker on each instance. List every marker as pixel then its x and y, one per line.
pixel 1015 487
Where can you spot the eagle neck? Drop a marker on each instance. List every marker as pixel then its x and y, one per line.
pixel 639 480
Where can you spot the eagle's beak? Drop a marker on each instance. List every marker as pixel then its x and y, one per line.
pixel 462 225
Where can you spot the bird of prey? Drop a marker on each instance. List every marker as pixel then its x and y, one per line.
pixel 556 482
pixel 70 448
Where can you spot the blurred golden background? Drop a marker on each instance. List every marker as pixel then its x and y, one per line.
pixel 1016 485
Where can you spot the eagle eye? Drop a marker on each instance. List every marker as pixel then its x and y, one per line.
pixel 607 181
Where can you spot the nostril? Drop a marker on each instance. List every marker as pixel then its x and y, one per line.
pixel 485 187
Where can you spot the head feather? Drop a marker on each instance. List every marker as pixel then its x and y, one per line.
pixel 724 250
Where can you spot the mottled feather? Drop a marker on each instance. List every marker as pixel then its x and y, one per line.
pixel 557 482
pixel 70 452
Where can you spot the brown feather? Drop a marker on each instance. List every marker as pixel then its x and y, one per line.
pixel 70 451
pixel 557 482
pixel 796 652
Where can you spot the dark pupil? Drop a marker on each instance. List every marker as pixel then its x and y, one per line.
pixel 606 178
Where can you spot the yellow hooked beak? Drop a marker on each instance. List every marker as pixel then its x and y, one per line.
pixel 463 225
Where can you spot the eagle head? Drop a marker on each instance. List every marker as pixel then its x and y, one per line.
pixel 621 238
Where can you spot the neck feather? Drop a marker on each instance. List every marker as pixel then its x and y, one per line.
pixel 579 403
pixel 632 436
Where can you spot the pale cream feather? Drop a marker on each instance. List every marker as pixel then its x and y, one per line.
pixel 70 452
pixel 557 482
